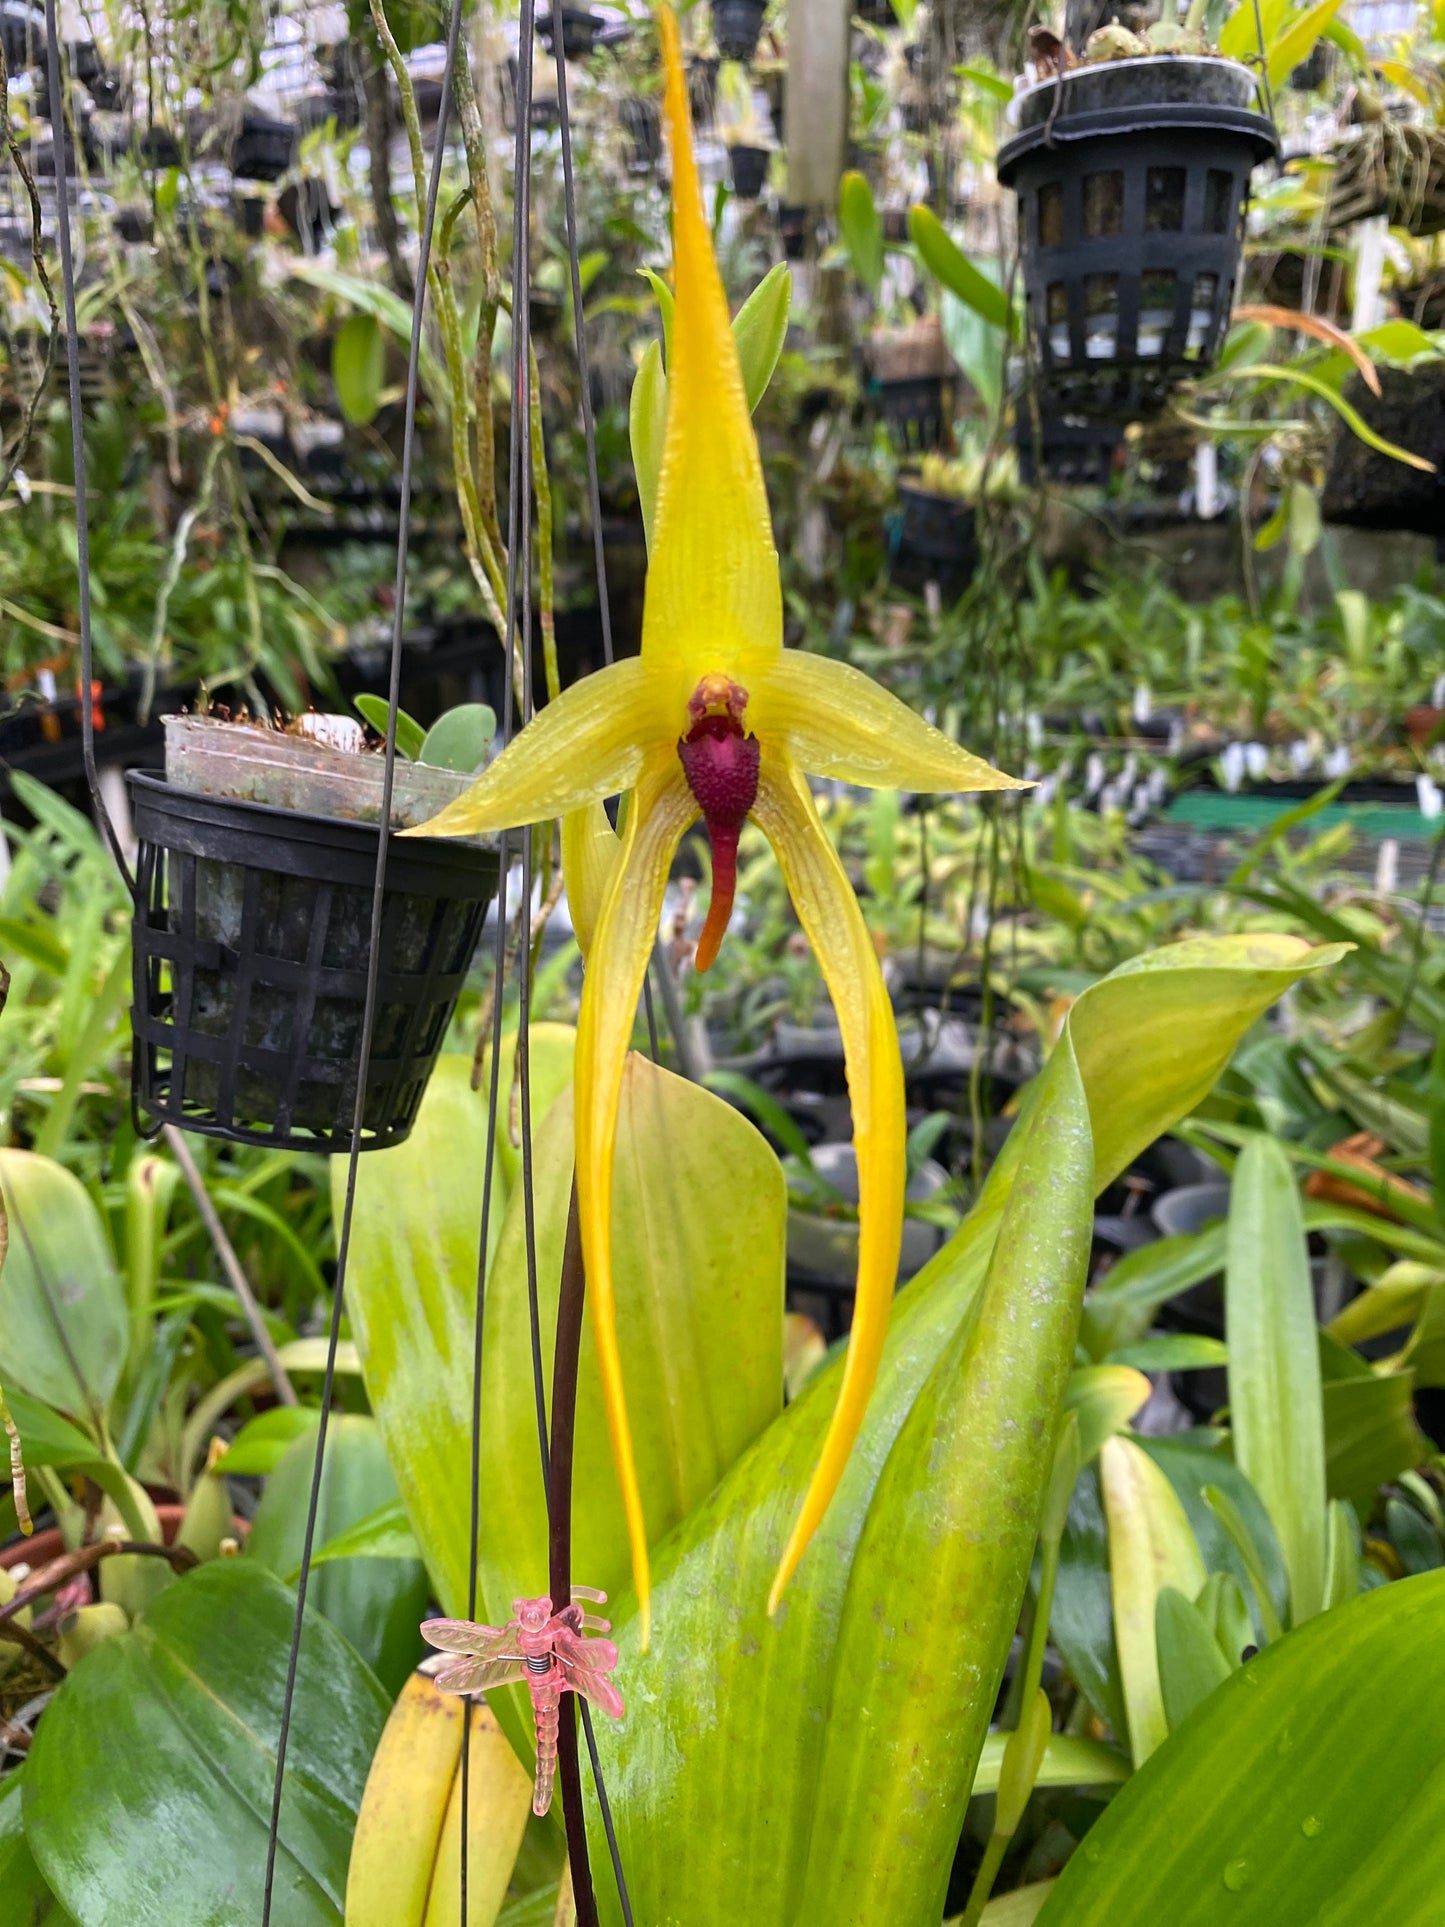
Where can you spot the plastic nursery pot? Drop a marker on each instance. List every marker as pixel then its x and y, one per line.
pixel 262 148
pixel 250 941
pixel 1072 450
pixel 1132 178
pixel 580 28
pixel 937 539
pixel 642 124
pixel 910 383
pixel 749 169
pixel 1370 491
pixel 736 26
pixel 823 1250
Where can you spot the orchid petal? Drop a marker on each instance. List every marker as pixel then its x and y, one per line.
pixel 835 721
pixel 590 849
pixel 587 744
pixel 662 808
pixel 714 600
pixel 833 923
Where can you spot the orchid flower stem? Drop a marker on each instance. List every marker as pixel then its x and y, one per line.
pixel 565 1356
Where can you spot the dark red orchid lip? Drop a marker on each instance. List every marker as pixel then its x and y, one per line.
pixel 720 763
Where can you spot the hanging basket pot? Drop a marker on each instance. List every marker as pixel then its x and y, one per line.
pixel 749 169
pixel 1366 490
pixel 910 383
pixel 1132 178
pixel 262 148
pixel 1073 451
pixel 937 540
pixel 250 943
pixel 580 28
pixel 737 26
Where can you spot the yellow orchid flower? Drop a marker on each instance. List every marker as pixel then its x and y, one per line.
pixel 715 718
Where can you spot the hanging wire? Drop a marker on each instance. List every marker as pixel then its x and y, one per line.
pixel 519 600
pixel 77 436
pixel 373 968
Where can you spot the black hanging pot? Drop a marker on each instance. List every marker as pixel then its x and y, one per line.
pixel 580 28
pixel 1367 490
pixel 749 169
pixel 910 384
pixel 642 124
pixel 262 148
pixel 736 27
pixel 250 945
pixel 1132 178
pixel 937 540
pixel 1072 450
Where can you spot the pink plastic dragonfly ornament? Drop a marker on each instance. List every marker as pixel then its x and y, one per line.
pixel 545 1649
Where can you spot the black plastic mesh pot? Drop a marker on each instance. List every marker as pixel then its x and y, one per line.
pixel 1131 222
pixel 937 541
pixel 1073 451
pixel 736 25
pixel 749 166
pixel 1367 490
pixel 263 148
pixel 249 946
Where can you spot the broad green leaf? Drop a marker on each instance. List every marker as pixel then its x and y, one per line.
pixel 1370 1433
pixel 1246 34
pixel 28 1901
pixel 1191 1663
pixel 1082 1622
pixel 1151 1545
pixel 1274 1373
pixel 1120 1308
pixel 63 1320
pixel 383 1534
pixel 948 265
pixel 264 1441
pixel 1173 1352
pixel 358 367
pixel 147 1792
pixel 1297 42
pixel 861 229
pixel 1254 1560
pixel 460 739
pixel 1306 1789
pixel 1104 1398
pixel 699 1313
pixel 790 1807
pixel 374 298
pixel 409 733
pixel 377 1605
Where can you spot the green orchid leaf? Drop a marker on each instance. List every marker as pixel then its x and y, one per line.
pixel 460 739
pixel 63 1318
pixel 358 367
pixel 409 733
pixel 1104 1398
pixel 948 264
pixel 264 1441
pixel 29 1902
pixel 167 1734
pixel 760 328
pixel 1275 1403
pixel 1173 1352
pixel 1255 1563
pixel 1151 1546
pixel 794 1806
pixel 372 298
pixel 647 426
pixel 377 1606
pixel 861 229
pixel 1295 45
pixel 383 1534
pixel 1351 417
pixel 1303 1789
pixel 1120 1308
pixel 1191 1661
pixel 1067 1762
pixel 1082 1622
pixel 1370 1433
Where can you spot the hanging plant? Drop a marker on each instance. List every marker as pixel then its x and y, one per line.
pixel 1132 173
pixel 255 871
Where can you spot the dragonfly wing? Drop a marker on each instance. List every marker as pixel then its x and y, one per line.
pixel 593 1655
pixel 462 1636
pixel 476 1675
pixel 595 1687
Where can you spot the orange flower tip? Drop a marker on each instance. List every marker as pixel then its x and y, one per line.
pixel 721 763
